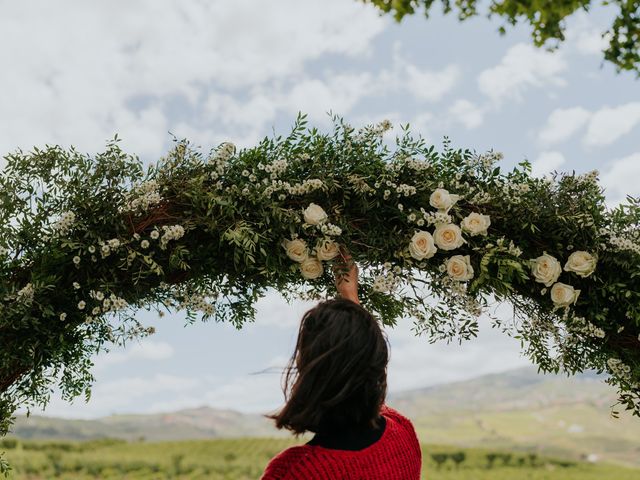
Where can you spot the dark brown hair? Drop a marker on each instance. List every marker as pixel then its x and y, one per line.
pixel 337 375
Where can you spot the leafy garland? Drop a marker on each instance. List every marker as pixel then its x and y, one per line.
pixel 440 236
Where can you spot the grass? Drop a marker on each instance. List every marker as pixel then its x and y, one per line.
pixel 245 458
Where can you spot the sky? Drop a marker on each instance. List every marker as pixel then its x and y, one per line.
pixel 76 73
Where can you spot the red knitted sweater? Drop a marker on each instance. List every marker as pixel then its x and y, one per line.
pixel 395 456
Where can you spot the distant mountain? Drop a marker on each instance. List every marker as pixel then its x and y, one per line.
pixel 517 409
pixel 520 409
pixel 196 423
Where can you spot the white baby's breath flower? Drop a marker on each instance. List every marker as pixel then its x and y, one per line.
pixel 26 293
pixel 91 249
pixel 76 285
pixel 581 263
pixel 448 236
pixel 311 268
pixel 76 260
pixel 95 311
pixel 314 214
pixel 442 199
pixel 296 249
pixel 155 234
pixel 459 268
pixel 63 316
pixel 563 295
pixel 81 304
pixel 144 243
pixel 422 245
pixel 476 224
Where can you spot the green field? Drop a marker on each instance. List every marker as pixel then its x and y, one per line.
pixel 246 458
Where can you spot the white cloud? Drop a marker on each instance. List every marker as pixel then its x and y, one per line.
pixel 123 395
pixel 584 36
pixel 429 85
pixel 466 113
pixel 523 67
pixel 415 363
pixel 610 123
pixel 562 124
pixel 274 311
pixel 620 178
pixel 324 92
pixel 146 349
pixel 85 72
pixel 546 163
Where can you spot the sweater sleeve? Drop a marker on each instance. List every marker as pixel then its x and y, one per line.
pixel 408 426
pixel 281 466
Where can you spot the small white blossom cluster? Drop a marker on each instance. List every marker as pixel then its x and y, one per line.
pixel 112 303
pixel 142 197
pixel 589 177
pixel 106 248
pixel 406 190
pixel 275 168
pixel 173 232
pixel 64 223
pixel 512 191
pixel 619 369
pixel 25 294
pixel 500 246
pixel 588 328
pixel 388 281
pixel 359 184
pixel 330 229
pixel 376 130
pixel 433 218
pixel 223 154
pixel 620 242
pixel 409 162
pixel 456 293
pixel 486 160
pixel 379 129
pixel 481 198
pixel 306 186
pixel 199 303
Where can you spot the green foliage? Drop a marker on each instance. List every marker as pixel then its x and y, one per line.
pixel 246 458
pixel 547 20
pixel 86 242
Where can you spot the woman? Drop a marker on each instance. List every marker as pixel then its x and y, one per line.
pixel 337 392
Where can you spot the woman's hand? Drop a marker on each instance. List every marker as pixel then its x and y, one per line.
pixel 346 283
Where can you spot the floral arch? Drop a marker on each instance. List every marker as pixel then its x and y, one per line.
pixel 85 242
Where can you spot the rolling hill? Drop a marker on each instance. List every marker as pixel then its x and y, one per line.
pixel 517 410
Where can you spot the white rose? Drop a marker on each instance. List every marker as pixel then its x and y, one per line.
pixel 311 268
pixel 546 269
pixel 459 268
pixel 327 249
pixel 581 263
pixel 563 295
pixel 442 199
pixel 296 249
pixel 422 245
pixel 476 224
pixel 314 214
pixel 448 236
